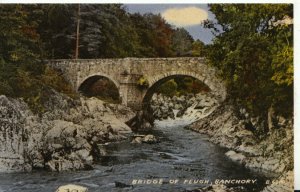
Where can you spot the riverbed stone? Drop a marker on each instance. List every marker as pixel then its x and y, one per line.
pixel 149 139
pixel 72 187
pixel 137 140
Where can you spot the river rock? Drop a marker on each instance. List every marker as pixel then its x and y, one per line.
pixel 72 187
pixel 180 113
pixel 271 153
pixel 12 135
pixel 143 120
pixel 137 140
pixel 65 137
pixel 235 156
pixel 163 107
pixel 149 139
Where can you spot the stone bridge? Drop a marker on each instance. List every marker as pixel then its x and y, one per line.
pixel 126 72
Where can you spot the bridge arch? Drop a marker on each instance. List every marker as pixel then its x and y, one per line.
pixel 99 75
pixel 85 84
pixel 156 81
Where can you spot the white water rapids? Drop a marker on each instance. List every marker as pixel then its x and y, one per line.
pixel 191 115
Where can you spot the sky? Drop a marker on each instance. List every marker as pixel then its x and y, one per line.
pixel 188 16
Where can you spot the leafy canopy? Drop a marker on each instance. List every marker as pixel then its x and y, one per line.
pixel 253 50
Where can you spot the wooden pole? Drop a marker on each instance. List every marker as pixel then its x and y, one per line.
pixel 77 33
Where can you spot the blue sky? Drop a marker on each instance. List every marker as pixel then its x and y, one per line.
pixel 188 16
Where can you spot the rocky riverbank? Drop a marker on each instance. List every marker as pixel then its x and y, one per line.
pixel 70 133
pixel 65 137
pixel 185 107
pixel 272 154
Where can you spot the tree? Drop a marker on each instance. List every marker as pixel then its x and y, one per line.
pixel 22 72
pixel 198 48
pixel 106 30
pixel 163 33
pixel 146 36
pixel 182 42
pixel 154 35
pixel 168 88
pixel 254 54
pixel 20 51
pixel 57 30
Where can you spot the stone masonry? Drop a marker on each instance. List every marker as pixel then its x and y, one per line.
pixel 125 73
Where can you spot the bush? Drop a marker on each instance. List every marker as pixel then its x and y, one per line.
pixel 143 82
pixel 182 85
pixel 54 79
pixel 5 88
pixel 168 88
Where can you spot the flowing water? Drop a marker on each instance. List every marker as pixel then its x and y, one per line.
pixel 180 158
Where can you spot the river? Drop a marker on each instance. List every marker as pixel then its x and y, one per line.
pixel 180 156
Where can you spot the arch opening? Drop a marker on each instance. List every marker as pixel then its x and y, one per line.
pixel 176 85
pixel 100 87
pixel 179 99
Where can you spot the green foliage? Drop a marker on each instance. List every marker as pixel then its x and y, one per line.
pixel 22 73
pixel 182 85
pixel 19 49
pixel 182 42
pixel 169 88
pixel 57 30
pixel 253 51
pixel 198 48
pixel 143 82
pixel 282 64
pixel 52 78
pixel 107 30
pixel 187 85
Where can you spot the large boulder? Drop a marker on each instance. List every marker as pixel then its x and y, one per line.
pixel 149 139
pixel 12 135
pixel 65 137
pixel 65 147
